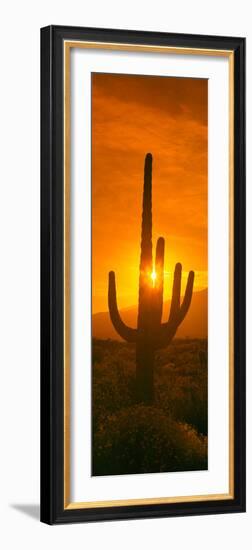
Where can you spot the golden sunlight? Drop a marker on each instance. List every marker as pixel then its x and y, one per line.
pixel 153 278
pixel 164 114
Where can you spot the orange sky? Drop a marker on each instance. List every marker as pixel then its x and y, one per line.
pixel 133 115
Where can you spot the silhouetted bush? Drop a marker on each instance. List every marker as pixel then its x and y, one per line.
pixel 168 436
pixel 112 388
pixel 144 439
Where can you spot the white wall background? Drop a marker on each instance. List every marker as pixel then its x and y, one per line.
pixel 19 288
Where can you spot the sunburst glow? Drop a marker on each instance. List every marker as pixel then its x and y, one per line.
pixel 153 277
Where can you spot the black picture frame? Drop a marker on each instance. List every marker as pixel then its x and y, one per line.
pixel 52 301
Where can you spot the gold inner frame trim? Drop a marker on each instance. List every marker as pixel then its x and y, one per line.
pixel 68 45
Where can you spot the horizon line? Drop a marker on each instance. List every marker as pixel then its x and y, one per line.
pixel 135 305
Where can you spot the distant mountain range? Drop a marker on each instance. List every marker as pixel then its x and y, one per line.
pixel 193 326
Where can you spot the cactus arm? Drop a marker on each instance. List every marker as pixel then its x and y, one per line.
pixel 165 334
pixel 159 265
pixel 159 283
pixel 127 333
pixel 187 297
pixel 175 303
pixel 177 312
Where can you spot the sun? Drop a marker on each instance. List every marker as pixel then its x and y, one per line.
pixel 153 277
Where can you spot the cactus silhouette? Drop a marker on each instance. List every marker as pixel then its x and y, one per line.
pixel 151 334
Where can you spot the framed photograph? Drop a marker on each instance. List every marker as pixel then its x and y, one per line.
pixel 142 274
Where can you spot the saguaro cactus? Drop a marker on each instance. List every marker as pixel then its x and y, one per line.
pixel 151 334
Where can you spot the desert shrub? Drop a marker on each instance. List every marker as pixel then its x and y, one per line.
pixel 97 354
pixel 113 387
pixel 182 390
pixel 184 396
pixel 141 439
pixel 170 435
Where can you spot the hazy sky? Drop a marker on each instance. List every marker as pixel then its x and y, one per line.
pixel 133 115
